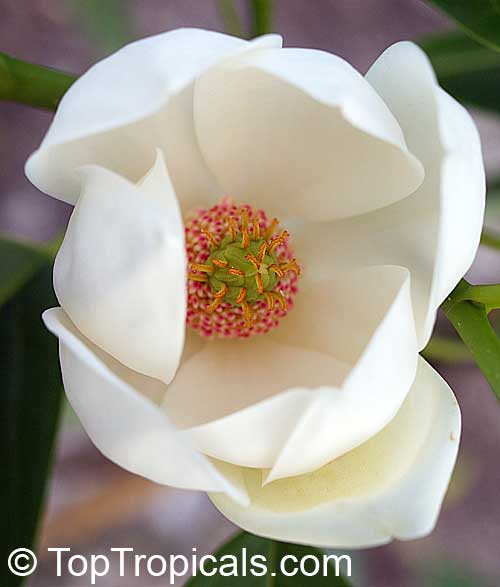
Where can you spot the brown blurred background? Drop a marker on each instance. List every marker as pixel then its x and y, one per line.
pixel 94 505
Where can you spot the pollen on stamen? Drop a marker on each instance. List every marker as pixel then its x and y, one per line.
pixel 241 296
pixel 248 292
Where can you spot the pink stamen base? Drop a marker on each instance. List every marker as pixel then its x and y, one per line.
pixel 228 320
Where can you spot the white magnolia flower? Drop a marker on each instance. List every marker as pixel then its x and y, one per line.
pixel 327 429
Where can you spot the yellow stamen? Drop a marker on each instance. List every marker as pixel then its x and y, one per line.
pixel 272 227
pixel 275 269
pixel 201 267
pixel 196 277
pixel 291 265
pixel 244 218
pixel 213 305
pixel 245 238
pixel 269 300
pixel 256 229
pixel 213 241
pixel 222 292
pixel 247 313
pixel 253 260
pixel 260 285
pixel 241 296
pixel 281 299
pixel 238 272
pixel 232 229
pixel 219 263
pixel 262 252
pixel 278 240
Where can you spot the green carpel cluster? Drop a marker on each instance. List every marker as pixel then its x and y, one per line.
pixel 236 256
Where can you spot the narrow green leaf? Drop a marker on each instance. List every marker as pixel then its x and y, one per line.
pixel 18 263
pixel 30 397
pixel 262 16
pixel 467 70
pixel 478 18
pixel 31 84
pixel 488 295
pixel 232 556
pixel 470 320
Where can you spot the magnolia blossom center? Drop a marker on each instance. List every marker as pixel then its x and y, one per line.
pixel 242 276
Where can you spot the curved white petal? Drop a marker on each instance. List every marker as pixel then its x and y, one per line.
pixel 390 487
pixel 120 273
pixel 125 106
pixel 448 209
pixel 435 232
pixel 300 132
pixel 119 410
pixel 335 372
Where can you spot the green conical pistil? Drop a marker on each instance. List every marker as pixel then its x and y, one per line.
pixel 236 256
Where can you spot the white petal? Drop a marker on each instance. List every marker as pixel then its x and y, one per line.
pixel 120 273
pixel 125 106
pixel 239 401
pixel 119 410
pixel 390 487
pixel 300 132
pixel 320 386
pixel 436 232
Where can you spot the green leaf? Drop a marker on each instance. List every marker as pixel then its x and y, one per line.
pixel 232 556
pixel 18 263
pixel 478 18
pixel 31 84
pixel 468 71
pixel 467 309
pixel 30 395
pixel 262 16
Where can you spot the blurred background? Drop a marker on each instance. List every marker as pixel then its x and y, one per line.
pixel 93 505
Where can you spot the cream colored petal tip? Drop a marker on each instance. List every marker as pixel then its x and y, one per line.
pixel 312 391
pixel 119 409
pixel 390 487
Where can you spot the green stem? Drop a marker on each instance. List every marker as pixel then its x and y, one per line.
pixel 446 350
pixel 34 85
pixel 262 17
pixel 487 295
pixel 470 320
pixel 230 18
pixel 488 239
